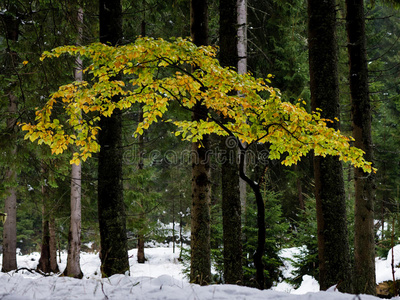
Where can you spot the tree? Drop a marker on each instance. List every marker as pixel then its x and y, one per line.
pixel 73 267
pixel 10 203
pixel 111 207
pixel 364 241
pixel 11 24
pixel 48 255
pixel 200 263
pixel 333 246
pixel 241 6
pixel 288 129
pixel 231 204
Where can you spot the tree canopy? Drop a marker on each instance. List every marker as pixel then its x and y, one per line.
pixel 156 74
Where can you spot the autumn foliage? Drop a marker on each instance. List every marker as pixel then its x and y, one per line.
pixel 156 73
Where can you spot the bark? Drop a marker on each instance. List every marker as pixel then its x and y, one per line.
pixel 231 216
pixel 9 261
pixel 73 268
pixel 231 204
pixel 44 261
pixel 10 202
pixel 242 69
pixel 299 188
pixel 364 245
pixel 53 246
pixel 261 225
pixel 200 264
pixel 333 246
pixel 242 35
pixel 48 255
pixel 10 227
pixel 200 271
pixel 141 259
pixel 111 207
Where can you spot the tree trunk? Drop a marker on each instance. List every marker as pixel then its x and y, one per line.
pixel 53 245
pixel 333 246
pixel 261 226
pixel 11 25
pixel 242 69
pixel 141 259
pixel 44 261
pixel 364 245
pixel 231 204
pixel 10 202
pixel 48 254
pixel 200 264
pixel 10 227
pixel 73 268
pixel 299 186
pixel 111 207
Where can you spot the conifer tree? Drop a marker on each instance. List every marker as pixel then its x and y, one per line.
pixel 364 241
pixel 200 266
pixel 231 205
pixel 11 25
pixel 111 207
pixel 333 246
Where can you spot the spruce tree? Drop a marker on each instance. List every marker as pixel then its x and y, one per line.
pixel 333 246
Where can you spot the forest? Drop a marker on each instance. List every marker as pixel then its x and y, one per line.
pixel 246 126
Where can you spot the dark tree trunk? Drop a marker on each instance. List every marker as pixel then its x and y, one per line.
pixel 111 207
pixel 9 262
pixel 333 246
pixel 364 245
pixel 10 202
pixel 48 255
pixel 200 269
pixel 44 261
pixel 53 245
pixel 141 259
pixel 299 186
pixel 200 264
pixel 259 253
pixel 231 204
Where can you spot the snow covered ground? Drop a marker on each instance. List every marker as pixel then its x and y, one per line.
pixel 160 278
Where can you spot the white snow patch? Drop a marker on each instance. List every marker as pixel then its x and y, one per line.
pixel 159 278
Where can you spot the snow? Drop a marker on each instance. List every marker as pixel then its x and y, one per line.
pixel 384 266
pixel 159 278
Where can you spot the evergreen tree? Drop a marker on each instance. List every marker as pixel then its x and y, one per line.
pixel 231 204
pixel 111 207
pixel 200 266
pixel 11 24
pixel 364 244
pixel 333 246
